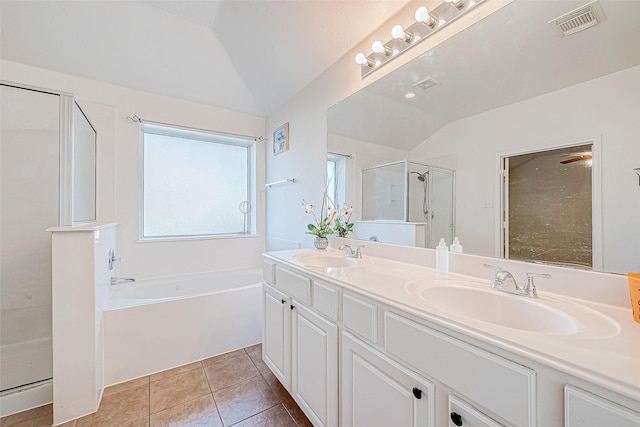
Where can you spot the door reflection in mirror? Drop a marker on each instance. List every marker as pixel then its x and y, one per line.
pixel 547 206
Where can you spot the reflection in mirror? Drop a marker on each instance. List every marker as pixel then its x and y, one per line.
pixel 84 168
pixel 547 206
pixel 413 193
pixel 508 85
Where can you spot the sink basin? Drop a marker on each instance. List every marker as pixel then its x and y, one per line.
pixel 326 260
pixel 500 308
pixel 545 315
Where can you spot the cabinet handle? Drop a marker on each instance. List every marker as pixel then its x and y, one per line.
pixel 456 418
pixel 417 393
pixel 283 301
pixel 292 306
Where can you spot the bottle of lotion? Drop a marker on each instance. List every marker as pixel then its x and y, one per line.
pixel 442 257
pixel 456 246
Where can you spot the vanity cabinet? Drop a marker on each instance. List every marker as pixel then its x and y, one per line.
pixel 300 341
pixel 351 359
pixel 497 384
pixel 386 357
pixel 376 391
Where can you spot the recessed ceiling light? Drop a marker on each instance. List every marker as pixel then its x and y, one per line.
pixel 409 95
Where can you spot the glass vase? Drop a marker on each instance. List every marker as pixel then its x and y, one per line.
pixel 321 243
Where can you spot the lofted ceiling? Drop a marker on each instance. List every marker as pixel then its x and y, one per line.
pixel 245 55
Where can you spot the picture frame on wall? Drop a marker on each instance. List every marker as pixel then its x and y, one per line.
pixel 281 139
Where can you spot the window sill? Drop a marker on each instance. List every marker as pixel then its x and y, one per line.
pixel 192 238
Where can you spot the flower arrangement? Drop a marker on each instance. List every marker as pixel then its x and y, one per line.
pixel 323 226
pixel 342 225
pixel 335 221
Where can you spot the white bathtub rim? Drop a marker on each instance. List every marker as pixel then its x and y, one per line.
pixel 119 303
pixel 188 276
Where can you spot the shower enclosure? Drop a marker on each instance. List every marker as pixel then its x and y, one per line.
pixel 411 192
pixel 47 179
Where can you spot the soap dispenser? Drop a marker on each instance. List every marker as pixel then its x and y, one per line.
pixel 456 246
pixel 442 257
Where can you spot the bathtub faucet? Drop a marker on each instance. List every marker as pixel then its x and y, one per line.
pixel 118 280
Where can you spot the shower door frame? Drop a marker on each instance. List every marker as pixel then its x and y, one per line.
pixel 32 394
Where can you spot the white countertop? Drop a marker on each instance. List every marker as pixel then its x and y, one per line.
pixel 609 357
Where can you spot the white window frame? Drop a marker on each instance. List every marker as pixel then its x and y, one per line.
pixel 338 181
pixel 206 136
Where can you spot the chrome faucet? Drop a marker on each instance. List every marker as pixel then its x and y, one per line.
pixel 505 282
pixel 119 280
pixel 349 252
pixel 529 287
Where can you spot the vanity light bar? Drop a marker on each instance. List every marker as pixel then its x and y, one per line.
pixel 427 23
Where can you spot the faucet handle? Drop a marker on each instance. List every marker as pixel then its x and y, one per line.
pixel 529 287
pixel 358 251
pixel 496 283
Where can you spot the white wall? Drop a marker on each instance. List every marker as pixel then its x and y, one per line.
pixel 605 107
pixel 307 117
pixel 118 170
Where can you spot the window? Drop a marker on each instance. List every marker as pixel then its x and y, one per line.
pixel 336 166
pixel 195 183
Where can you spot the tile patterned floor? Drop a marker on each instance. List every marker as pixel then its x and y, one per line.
pixel 234 389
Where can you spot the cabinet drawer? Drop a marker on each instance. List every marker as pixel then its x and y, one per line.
pixel 467 415
pixel 268 272
pixel 583 409
pixel 296 285
pixel 360 317
pixel 499 385
pixel 325 299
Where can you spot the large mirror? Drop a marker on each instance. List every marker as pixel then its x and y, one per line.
pixel 509 101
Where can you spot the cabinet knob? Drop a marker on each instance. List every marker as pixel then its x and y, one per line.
pixel 292 306
pixel 456 418
pixel 417 393
pixel 283 301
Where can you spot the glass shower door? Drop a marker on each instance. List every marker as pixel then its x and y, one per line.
pixel 29 194
pixel 442 207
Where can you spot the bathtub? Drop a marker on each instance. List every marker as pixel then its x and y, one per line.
pixel 158 324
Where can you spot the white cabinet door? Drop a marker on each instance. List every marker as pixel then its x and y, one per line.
pixel 276 334
pixel 583 409
pixel 377 392
pixel 314 364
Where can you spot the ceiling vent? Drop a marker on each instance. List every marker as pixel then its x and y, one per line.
pixel 425 84
pixel 580 19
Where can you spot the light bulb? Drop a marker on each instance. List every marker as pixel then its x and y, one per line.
pixel 361 59
pixel 381 49
pixel 422 14
pixel 397 32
